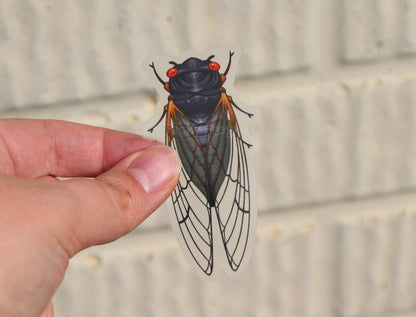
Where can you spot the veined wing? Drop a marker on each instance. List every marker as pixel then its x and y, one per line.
pixel 232 204
pixel 192 210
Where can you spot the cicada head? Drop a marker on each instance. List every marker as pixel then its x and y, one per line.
pixel 194 75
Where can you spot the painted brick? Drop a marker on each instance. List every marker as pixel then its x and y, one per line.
pixel 408 27
pixel 55 51
pixel 336 141
pixel 374 30
pixel 334 260
pixel 376 265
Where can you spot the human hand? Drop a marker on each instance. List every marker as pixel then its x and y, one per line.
pixel 44 221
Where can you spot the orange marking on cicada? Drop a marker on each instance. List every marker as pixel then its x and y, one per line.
pixel 166 86
pixel 168 126
pixel 225 103
pixel 233 119
pixel 172 111
pixel 223 78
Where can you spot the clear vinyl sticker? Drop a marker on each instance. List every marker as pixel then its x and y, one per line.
pixel 213 207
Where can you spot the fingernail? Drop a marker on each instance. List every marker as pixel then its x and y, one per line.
pixel 155 168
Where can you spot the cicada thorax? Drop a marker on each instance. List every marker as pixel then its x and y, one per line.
pixel 204 136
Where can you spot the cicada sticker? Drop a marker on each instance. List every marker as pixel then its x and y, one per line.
pixel 213 202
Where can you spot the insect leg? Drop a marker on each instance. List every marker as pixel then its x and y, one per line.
pixel 152 65
pixel 237 107
pixel 237 131
pixel 161 118
pixel 230 100
pixel 229 64
pixel 226 102
pixel 165 84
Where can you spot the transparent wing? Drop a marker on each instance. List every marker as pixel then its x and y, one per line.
pixel 232 204
pixel 192 210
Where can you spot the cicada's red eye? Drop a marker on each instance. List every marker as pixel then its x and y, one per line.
pixel 172 72
pixel 214 66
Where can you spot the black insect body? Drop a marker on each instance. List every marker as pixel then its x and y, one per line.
pixel 201 125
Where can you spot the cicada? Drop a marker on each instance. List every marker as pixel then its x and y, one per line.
pixel 214 186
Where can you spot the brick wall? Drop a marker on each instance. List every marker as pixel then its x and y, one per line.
pixel 334 84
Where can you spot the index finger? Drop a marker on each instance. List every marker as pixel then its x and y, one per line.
pixel 33 148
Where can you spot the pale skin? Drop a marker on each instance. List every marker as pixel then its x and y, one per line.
pixel 45 221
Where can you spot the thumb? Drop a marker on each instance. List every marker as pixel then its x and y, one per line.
pixel 118 200
pixel 44 221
